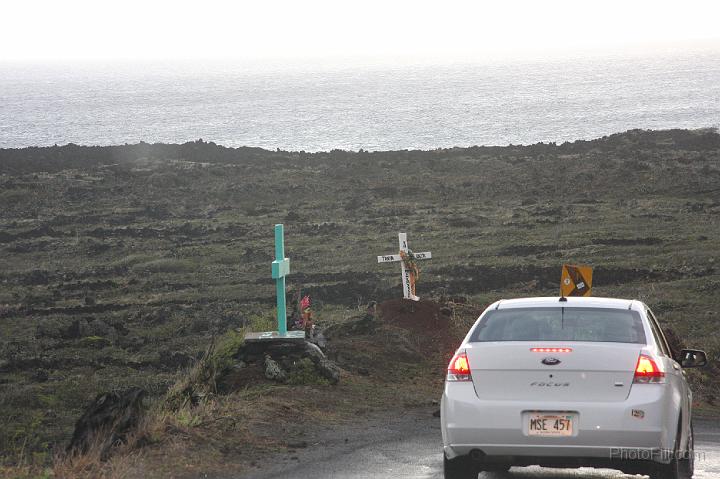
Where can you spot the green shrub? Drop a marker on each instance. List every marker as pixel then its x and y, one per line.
pixel 303 372
pixel 187 418
pixel 200 381
pixel 227 346
pixel 262 322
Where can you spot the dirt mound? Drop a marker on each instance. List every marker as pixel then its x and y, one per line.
pixel 419 316
pixel 429 325
pixel 398 332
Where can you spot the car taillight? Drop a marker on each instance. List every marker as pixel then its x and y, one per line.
pixel 647 371
pixel 459 368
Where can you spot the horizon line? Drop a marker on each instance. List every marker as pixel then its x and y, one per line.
pixel 706 129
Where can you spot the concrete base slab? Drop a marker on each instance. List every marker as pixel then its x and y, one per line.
pixel 271 336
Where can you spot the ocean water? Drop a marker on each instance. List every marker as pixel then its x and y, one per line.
pixel 321 107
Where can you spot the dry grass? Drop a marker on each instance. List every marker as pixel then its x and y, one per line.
pixel 92 466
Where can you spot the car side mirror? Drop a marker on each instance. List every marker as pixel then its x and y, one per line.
pixel 692 358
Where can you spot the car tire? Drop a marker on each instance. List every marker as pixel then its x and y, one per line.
pixel 460 468
pixel 690 458
pixel 681 465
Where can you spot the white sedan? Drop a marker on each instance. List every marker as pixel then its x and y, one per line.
pixel 568 382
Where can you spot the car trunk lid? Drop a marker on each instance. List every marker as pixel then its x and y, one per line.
pixel 518 370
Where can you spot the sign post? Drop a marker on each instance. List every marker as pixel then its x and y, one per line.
pixel 280 269
pixel 406 273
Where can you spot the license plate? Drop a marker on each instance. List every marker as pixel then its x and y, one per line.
pixel 550 424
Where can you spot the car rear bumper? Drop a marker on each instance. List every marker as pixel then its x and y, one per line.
pixel 628 466
pixel 603 430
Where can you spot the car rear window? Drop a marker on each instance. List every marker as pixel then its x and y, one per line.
pixel 561 324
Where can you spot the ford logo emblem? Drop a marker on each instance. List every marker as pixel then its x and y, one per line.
pixel 550 361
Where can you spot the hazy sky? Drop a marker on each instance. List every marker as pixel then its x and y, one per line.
pixel 276 29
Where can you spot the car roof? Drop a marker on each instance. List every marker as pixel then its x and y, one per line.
pixel 573 301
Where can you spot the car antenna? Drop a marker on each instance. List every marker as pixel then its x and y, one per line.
pixel 564 282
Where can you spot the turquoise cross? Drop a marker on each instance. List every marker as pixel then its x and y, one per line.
pixel 280 269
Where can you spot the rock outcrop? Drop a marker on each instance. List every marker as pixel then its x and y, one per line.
pixel 108 422
pixel 285 361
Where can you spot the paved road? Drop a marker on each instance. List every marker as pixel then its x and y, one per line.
pixel 409 447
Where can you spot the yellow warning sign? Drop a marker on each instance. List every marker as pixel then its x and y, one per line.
pixel 576 280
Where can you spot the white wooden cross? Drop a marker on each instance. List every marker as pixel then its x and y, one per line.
pixel 407 288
